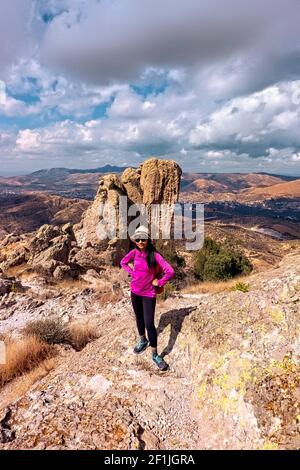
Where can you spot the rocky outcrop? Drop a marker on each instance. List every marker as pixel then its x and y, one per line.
pixel 131 181
pixel 50 247
pixel 88 258
pixel 97 221
pixel 160 181
pixel 153 182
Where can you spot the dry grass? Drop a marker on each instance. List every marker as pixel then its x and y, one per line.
pixel 20 271
pixel 107 297
pixel 73 285
pixel 23 355
pixel 80 334
pixel 212 287
pixel 16 389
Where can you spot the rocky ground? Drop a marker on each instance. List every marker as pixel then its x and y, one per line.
pixel 233 382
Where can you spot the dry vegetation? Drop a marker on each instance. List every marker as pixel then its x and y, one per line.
pixel 23 355
pixel 31 356
pixel 80 334
pixel 213 287
pixel 54 331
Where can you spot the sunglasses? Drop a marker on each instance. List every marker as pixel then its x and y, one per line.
pixel 140 240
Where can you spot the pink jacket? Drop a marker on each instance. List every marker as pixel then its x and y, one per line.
pixel 142 276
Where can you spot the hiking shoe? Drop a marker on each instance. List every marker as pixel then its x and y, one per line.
pixel 159 361
pixel 141 346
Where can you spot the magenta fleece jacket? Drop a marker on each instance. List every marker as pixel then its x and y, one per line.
pixel 142 276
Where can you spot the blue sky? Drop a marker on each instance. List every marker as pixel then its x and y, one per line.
pixel 214 85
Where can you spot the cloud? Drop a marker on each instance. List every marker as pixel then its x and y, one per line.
pixel 259 130
pixel 269 117
pixel 213 84
pixel 15 35
pixel 117 40
pixel 50 92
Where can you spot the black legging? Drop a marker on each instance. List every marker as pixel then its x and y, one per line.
pixel 144 309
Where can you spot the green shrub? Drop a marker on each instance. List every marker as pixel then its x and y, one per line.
pixel 215 261
pixel 13 288
pixel 169 288
pixel 241 286
pixel 167 249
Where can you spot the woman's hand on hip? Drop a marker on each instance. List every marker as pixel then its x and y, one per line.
pixel 155 282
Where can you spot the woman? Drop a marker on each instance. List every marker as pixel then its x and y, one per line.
pixel 144 283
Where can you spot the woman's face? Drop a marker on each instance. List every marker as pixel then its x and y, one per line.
pixel 141 243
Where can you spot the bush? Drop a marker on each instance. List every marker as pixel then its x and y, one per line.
pixel 167 249
pixel 219 262
pixel 51 330
pixel 241 286
pixel 13 288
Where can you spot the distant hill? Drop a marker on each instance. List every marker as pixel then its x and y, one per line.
pixel 229 182
pixel 288 189
pixel 25 212
pixel 60 172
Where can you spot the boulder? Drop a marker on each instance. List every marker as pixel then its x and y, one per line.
pixel 87 258
pixel 131 181
pixel 43 237
pixel 63 272
pixel 51 247
pixel 15 258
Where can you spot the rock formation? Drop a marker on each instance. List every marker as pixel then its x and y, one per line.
pixel 50 249
pixel 153 182
pixel 160 181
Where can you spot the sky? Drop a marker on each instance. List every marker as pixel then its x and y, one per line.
pixel 212 84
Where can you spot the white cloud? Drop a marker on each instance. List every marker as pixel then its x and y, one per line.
pixel 52 91
pixel 254 119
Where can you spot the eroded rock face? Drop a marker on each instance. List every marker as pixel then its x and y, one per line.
pixel 50 247
pixel 89 233
pixel 154 182
pixel 131 181
pixel 160 181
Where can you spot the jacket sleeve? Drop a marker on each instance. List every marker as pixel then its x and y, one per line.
pixel 166 268
pixel 127 259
